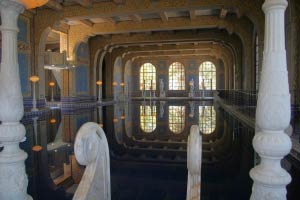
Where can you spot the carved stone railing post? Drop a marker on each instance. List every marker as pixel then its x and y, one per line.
pixel 194 160
pixel 13 179
pixel 91 149
pixel 273 109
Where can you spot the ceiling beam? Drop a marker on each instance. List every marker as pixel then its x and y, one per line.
pixel 61 27
pixel 84 3
pixel 87 22
pixel 135 18
pixel 110 20
pixel 223 13
pixel 164 16
pixel 119 1
pixel 192 14
pixel 54 5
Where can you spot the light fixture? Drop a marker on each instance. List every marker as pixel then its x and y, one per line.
pixel 122 84
pixel 122 117
pixel 51 83
pixel 114 83
pixel 115 120
pixel 52 121
pixel 34 79
pixel 99 82
pixel 36 148
pixel 29 4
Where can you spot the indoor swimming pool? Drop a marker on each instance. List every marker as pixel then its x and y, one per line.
pixel 147 144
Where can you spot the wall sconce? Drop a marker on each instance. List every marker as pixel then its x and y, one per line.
pixel 115 120
pixel 114 83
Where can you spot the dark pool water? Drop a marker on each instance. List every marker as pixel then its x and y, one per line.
pixel 147 142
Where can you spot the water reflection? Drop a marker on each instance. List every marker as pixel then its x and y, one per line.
pixel 143 166
pixel 176 118
pixel 148 118
pixel 207 119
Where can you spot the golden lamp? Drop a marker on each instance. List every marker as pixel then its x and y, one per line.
pixel 99 82
pixel 51 84
pixel 29 4
pixel 34 79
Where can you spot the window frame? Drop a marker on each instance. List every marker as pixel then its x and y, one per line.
pixel 212 82
pixel 182 84
pixel 147 83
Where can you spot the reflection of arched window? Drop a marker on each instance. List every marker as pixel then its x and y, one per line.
pixel 148 118
pixel 176 76
pixel 207 76
pixel 176 118
pixel 147 77
pixel 207 119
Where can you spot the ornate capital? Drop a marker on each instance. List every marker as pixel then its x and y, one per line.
pixel 12 5
pixel 274 4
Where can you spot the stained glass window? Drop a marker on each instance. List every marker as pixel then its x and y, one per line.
pixel 147 77
pixel 207 76
pixel 176 118
pixel 207 119
pixel 148 118
pixel 176 76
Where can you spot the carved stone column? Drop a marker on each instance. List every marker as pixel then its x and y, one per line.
pixel 273 109
pixel 13 179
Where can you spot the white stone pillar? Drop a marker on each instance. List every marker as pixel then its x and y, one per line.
pixel 273 109
pixel 13 179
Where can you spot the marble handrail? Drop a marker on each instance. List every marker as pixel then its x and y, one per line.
pixel 91 149
pixel 194 159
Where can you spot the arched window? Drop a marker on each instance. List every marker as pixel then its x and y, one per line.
pixel 176 118
pixel 207 119
pixel 207 76
pixel 148 118
pixel 176 76
pixel 147 77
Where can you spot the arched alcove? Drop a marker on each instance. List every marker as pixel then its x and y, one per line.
pixel 117 78
pixel 128 77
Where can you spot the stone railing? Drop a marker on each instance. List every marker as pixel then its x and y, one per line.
pixel 91 149
pixel 194 160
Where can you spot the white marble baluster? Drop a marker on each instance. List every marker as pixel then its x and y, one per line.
pixel 194 162
pixel 273 109
pixel 13 179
